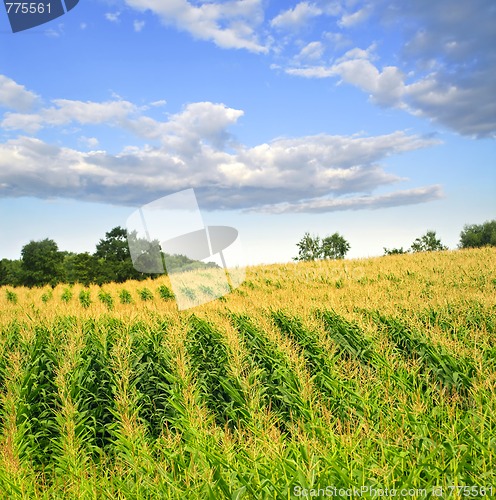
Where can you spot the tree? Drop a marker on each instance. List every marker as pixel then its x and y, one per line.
pixel 41 263
pixel 330 247
pixel 478 235
pixel 308 248
pixel 428 243
pixel 114 257
pixel 334 247
pixel 395 251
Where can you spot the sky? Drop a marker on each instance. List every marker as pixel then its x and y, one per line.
pixel 375 119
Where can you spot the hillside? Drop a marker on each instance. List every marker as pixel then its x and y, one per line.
pixel 370 373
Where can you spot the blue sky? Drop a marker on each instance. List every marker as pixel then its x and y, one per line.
pixel 373 119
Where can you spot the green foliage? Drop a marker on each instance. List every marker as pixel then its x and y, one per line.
pixel 41 263
pixel 428 243
pixel 145 294
pixel 451 372
pixel 341 396
pixel 38 400
pixel 106 298
pixel 395 251
pixel 85 298
pixel 282 390
pixel 308 248
pixel 125 297
pixel 478 235
pixel 334 246
pixel 45 297
pixel 210 364
pixel 66 295
pixel 11 296
pixel 154 380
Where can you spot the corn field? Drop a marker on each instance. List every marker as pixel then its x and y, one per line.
pixel 377 373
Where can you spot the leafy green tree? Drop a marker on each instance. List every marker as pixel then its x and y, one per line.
pixel 308 248
pixel 10 272
pixel 82 268
pixel 334 247
pixel 330 247
pixel 41 263
pixel 478 235
pixel 394 251
pixel 114 258
pixel 428 243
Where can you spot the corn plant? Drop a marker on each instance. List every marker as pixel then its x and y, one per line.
pixel 125 297
pixel 349 340
pixel 38 400
pixel 156 383
pixel 85 298
pixel 281 388
pixel 106 298
pixel 340 395
pixel 145 294
pixel 210 364
pixel 165 293
pixel 45 297
pixel 66 295
pixel 451 372
pixel 11 296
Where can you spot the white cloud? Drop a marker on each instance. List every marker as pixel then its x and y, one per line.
pixel 159 103
pixel 15 96
pixel 89 142
pixel 324 205
pixel 113 17
pixel 192 154
pixel 231 24
pixel 67 111
pixel 444 71
pixel 357 17
pixel 296 17
pixel 311 51
pixel 138 25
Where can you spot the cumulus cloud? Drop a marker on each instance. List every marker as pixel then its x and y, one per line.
pixel 230 25
pixel 191 154
pixel 193 148
pixel 15 96
pixel 443 72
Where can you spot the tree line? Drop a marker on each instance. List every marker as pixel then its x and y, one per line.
pixel 42 263
pixel 336 246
